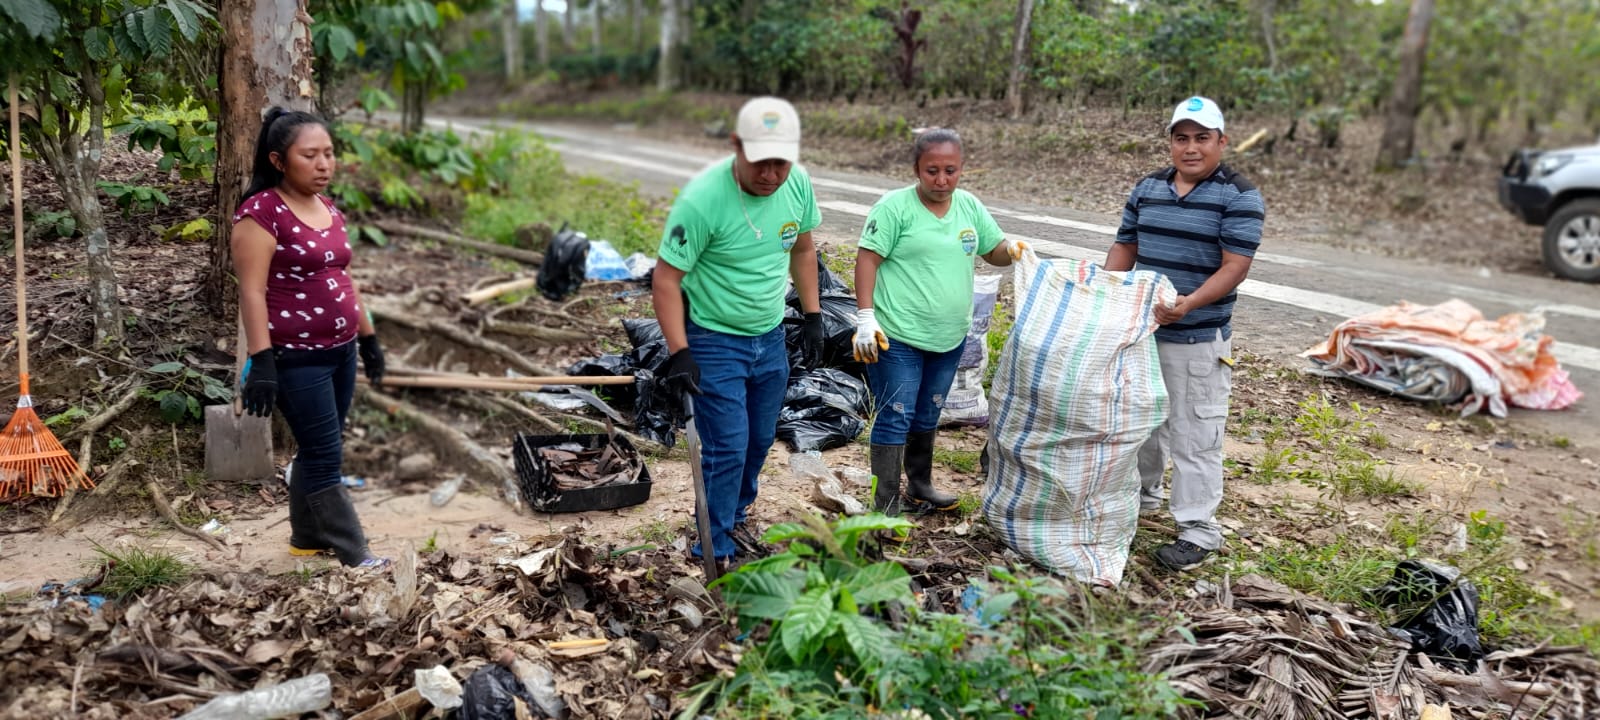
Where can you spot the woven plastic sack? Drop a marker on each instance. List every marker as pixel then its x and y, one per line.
pixel 966 403
pixel 1076 391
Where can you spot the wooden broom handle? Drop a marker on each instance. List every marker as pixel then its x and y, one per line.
pixel 16 225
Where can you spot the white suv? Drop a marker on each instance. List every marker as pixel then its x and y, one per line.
pixel 1559 189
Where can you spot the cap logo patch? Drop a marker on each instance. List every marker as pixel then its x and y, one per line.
pixel 1196 103
pixel 770 120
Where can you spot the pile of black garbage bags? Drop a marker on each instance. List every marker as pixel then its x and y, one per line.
pixel 824 407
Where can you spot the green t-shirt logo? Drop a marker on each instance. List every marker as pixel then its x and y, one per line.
pixel 969 240
pixel 789 233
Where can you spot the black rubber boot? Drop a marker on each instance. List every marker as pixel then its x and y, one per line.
pixel 337 524
pixel 304 540
pixel 920 494
pixel 886 463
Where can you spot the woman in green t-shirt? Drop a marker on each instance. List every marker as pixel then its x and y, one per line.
pixel 914 297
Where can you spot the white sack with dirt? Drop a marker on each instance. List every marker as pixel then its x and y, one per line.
pixel 1077 390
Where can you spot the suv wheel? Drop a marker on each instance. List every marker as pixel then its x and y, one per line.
pixel 1572 241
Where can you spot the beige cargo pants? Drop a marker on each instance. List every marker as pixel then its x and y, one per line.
pixel 1198 386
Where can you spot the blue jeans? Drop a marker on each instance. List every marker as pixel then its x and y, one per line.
pixel 314 393
pixel 742 381
pixel 908 387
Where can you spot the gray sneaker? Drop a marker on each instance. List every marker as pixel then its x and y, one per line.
pixel 1181 555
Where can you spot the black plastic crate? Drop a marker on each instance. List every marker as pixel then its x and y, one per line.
pixel 540 493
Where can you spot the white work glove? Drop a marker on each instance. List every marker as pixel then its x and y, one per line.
pixel 1015 248
pixel 869 337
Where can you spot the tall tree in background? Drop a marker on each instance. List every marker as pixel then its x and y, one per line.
pixel 596 36
pixel 541 33
pixel 1400 125
pixel 511 31
pixel 636 20
pixel 266 61
pixel 569 25
pixel 667 66
pixel 1019 57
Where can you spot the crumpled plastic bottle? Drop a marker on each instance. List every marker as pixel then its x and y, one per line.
pixel 289 699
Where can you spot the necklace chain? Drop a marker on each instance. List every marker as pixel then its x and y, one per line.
pixel 740 189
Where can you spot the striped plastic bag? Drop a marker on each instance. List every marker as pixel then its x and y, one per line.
pixel 1077 391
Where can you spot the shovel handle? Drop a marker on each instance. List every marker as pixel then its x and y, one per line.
pixel 238 368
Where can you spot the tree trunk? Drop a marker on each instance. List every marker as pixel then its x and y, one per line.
pixel 266 61
pixel 1400 127
pixel 569 26
pixel 636 19
pixel 411 102
pixel 595 34
pixel 541 34
pixel 1019 58
pixel 511 31
pixel 1269 8
pixel 667 67
pixel 73 155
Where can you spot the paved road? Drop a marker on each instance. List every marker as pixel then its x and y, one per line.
pixel 1295 294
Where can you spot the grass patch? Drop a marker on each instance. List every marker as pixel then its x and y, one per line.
pixel 1561 441
pixel 961 461
pixel 136 570
pixel 643 109
pixel 659 533
pixel 1341 571
pixel 969 505
pixel 999 329
pixel 538 188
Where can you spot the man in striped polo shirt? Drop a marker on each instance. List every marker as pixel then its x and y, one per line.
pixel 1199 223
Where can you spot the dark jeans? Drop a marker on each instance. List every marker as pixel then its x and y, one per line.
pixel 314 392
pixel 908 387
pixel 742 381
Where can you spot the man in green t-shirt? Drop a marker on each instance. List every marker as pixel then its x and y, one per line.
pixel 737 232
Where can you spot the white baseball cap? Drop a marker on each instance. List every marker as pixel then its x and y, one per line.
pixel 769 128
pixel 1199 109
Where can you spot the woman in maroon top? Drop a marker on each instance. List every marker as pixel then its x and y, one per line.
pixel 304 325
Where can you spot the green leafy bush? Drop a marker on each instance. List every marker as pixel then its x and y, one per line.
pixel 845 639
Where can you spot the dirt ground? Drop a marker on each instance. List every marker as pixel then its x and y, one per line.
pixel 1543 487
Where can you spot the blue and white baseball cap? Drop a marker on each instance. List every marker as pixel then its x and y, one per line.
pixel 1199 109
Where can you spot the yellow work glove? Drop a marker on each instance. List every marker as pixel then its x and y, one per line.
pixel 1017 248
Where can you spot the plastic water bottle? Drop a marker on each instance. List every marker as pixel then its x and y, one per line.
pixel 290 699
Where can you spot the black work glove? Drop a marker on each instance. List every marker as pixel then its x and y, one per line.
pixel 260 383
pixel 811 341
pixel 680 375
pixel 371 357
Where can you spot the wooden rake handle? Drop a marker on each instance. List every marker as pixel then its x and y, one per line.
pixel 474 382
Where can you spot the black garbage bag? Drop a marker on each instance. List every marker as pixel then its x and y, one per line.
pixel 838 306
pixel 490 693
pixel 611 364
pixel 1440 609
pixel 657 415
pixel 564 264
pixel 642 331
pixel 822 409
pixel 838 334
